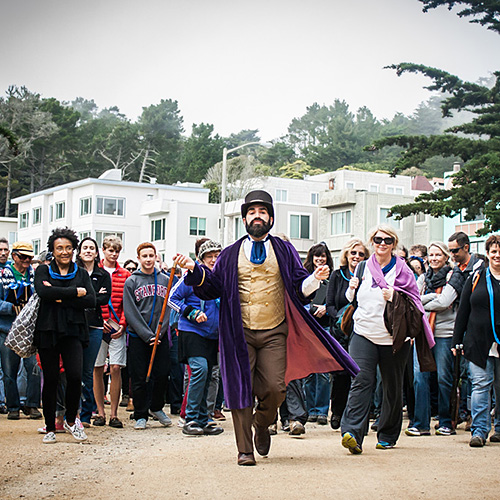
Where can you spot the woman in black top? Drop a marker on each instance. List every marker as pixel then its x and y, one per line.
pixel 354 251
pixel 61 329
pixel 479 315
pixel 88 258
pixel 317 385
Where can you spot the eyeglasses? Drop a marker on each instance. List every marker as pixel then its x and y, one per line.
pixel 131 269
pixel 455 250
pixel 378 240
pixel 361 254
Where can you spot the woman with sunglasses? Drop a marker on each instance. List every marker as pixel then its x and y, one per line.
pixel 372 344
pixel 88 258
pixel 479 315
pixel 352 254
pixel 61 330
pixel 317 385
pixel 131 266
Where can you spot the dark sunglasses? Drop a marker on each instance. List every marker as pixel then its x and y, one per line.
pixel 455 250
pixel 361 254
pixel 131 269
pixel 378 240
pixel 23 257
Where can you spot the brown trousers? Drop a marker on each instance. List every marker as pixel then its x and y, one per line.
pixel 267 354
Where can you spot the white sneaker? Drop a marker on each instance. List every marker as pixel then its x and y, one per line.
pixel 49 438
pixel 140 425
pixel 162 417
pixel 181 422
pixel 76 431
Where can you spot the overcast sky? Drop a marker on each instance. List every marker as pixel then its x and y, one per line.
pixel 236 64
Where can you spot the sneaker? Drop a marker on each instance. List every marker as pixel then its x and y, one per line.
pixel 413 431
pixel 349 442
pixel 140 425
pixel 273 429
pixel 181 422
pixel 335 422
pixel 49 438
pixel 476 442
pixel 218 415
pixel 384 445
pixel 76 431
pixel 445 431
pixel 192 429
pixel 312 418
pixel 3 409
pixel 161 417
pixel 13 415
pixel 31 412
pixel 322 420
pixel 285 426
pixel 296 428
pixel 59 429
pixel 495 438
pixel 374 426
pixel 124 401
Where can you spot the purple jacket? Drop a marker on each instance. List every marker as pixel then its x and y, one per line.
pixel 309 348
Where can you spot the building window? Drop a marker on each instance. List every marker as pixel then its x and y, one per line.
pixel 37 217
pixel 12 237
pixel 314 198
pixel 158 230
pixel 349 185
pixel 478 217
pixel 51 213
pixel 24 220
pixel 60 210
pixel 85 206
pixel 197 226
pixel 281 195
pixel 373 188
pixel 385 219
pixel 36 247
pixel 341 222
pixel 420 217
pixel 110 206
pixel 83 235
pixel 394 190
pixel 239 228
pixel 300 226
pixel 100 235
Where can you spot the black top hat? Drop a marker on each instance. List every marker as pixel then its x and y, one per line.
pixel 258 196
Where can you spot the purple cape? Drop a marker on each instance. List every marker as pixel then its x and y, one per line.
pixel 309 348
pixel 405 283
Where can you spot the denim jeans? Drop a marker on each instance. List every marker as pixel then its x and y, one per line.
pixel 2 388
pixel 444 362
pixel 318 388
pixel 196 408
pixel 10 366
pixel 483 380
pixel 89 357
pixel 176 376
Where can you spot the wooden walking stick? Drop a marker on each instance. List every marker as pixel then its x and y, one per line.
pixel 160 323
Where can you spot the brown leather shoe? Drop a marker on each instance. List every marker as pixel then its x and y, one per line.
pixel 262 440
pixel 246 459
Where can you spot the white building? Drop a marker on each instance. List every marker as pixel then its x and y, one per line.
pixel 172 217
pixel 8 229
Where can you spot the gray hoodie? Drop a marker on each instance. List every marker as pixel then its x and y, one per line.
pixel 138 299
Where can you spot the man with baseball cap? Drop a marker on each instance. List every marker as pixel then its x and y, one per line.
pixel 15 291
pixel 267 337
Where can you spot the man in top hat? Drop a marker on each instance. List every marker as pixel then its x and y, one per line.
pixel 267 337
pixel 15 290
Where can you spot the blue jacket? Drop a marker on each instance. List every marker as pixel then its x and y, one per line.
pixel 183 300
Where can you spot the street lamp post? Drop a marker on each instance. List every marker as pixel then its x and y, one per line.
pixel 225 152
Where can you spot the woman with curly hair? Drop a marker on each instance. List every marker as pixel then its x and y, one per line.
pixel 61 329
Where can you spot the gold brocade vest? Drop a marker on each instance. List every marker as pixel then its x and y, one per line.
pixel 262 293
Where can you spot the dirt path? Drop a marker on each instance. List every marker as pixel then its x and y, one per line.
pixel 161 463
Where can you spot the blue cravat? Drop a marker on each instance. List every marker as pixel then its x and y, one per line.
pixel 258 255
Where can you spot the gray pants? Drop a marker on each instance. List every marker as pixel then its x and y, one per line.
pixel 368 355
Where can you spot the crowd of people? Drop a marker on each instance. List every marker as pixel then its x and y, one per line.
pixel 253 327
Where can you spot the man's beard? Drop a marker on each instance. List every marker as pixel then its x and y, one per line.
pixel 259 230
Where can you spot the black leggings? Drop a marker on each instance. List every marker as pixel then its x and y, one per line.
pixel 71 351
